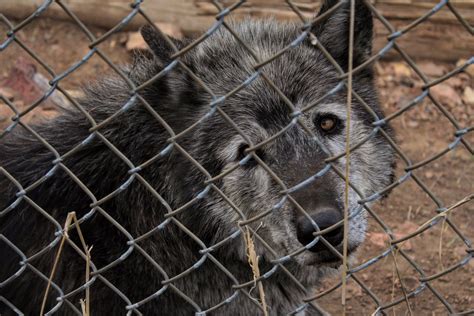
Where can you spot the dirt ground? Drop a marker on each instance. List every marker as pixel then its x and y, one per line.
pixel 421 132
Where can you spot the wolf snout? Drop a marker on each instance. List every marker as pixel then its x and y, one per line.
pixel 324 219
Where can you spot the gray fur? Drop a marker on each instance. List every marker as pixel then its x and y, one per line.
pixel 302 73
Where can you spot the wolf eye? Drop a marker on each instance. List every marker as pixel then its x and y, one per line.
pixel 327 123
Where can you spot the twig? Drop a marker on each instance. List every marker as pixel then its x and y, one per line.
pixel 440 250
pixel 85 305
pixel 399 275
pixel 441 214
pixel 348 148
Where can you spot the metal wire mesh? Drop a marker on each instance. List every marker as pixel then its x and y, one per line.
pixel 136 172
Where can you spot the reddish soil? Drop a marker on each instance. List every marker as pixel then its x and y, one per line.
pixel 421 132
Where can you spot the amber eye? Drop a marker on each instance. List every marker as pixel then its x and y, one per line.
pixel 328 124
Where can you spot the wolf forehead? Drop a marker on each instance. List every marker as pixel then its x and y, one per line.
pixel 224 62
pixel 302 73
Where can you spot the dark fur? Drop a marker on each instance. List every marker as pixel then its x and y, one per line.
pixel 302 73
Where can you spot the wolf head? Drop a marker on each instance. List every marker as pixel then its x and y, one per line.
pixel 253 137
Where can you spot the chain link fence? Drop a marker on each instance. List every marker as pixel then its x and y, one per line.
pixel 66 300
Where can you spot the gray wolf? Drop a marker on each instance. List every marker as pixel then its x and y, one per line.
pixel 137 207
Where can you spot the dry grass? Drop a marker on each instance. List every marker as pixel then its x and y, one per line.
pixel 85 303
pixel 253 262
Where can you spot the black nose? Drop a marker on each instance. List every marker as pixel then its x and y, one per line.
pixel 323 219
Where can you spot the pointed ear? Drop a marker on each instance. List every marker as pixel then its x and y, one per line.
pixel 158 44
pixel 333 31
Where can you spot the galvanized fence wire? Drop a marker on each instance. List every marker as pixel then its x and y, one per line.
pixel 136 171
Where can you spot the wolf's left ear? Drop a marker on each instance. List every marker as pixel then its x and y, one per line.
pixel 333 31
pixel 160 47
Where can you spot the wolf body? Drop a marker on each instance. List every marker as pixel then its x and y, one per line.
pixel 95 182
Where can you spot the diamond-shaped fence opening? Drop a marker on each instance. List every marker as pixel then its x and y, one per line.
pixel 111 203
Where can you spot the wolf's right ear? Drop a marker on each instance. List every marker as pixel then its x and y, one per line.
pixel 158 44
pixel 333 30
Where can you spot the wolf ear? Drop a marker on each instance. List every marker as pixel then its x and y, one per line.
pixel 333 31
pixel 158 44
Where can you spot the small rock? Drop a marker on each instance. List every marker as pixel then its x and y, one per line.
pixel 456 82
pixel 429 174
pixel 412 123
pixel 113 43
pixel 469 69
pixel 431 69
pixel 7 93
pixel 378 239
pixel 445 94
pixel 468 96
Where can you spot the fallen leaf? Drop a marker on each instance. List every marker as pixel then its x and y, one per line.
pixel 468 96
pixel 401 70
